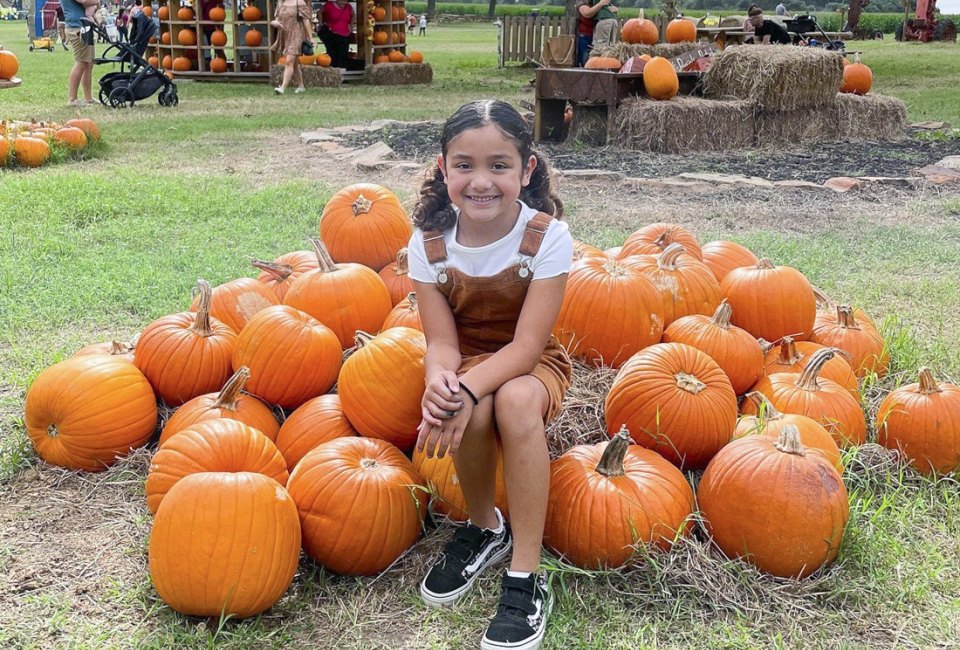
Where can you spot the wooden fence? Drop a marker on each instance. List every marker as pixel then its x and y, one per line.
pixel 522 37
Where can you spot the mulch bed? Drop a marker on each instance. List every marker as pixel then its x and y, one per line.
pixel 815 162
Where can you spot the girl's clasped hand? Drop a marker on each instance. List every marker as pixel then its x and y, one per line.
pixel 445 415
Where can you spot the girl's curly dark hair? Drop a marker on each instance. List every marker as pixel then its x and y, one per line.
pixel 434 210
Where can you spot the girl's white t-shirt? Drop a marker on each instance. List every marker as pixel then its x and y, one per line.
pixel 554 257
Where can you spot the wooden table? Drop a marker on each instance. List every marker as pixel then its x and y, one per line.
pixel 599 89
pixel 10 83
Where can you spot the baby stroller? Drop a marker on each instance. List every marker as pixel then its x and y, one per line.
pixel 136 79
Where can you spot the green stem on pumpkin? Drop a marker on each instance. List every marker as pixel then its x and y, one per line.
pixel 928 383
pixel 327 265
pixel 201 323
pixel 808 378
pixel 721 317
pixel 789 441
pixel 279 271
pixel 611 462
pixel 230 393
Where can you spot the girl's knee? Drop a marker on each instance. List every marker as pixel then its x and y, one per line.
pixel 520 402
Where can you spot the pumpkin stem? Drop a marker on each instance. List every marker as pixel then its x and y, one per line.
pixel 613 267
pixel 764 263
pixel 721 317
pixel 823 300
pixel 668 258
pixel 117 348
pixel 611 462
pixel 403 267
pixel 230 393
pixel 279 271
pixel 665 239
pixel 808 378
pixel 765 408
pixel 368 463
pixel 52 431
pixel 201 323
pixel 765 345
pixel 689 383
pixel 412 298
pixel 928 383
pixel 845 318
pixel 789 355
pixel 327 265
pixel 361 205
pixel 361 338
pixel 789 442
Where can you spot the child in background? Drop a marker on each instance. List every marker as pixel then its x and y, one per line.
pixel 489 260
pixel 91 10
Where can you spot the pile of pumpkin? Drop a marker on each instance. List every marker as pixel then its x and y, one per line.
pixel 237 493
pixel 29 144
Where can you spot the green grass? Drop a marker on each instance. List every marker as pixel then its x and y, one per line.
pixel 92 250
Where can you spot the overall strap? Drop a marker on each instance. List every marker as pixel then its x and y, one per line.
pixel 533 234
pixel 434 246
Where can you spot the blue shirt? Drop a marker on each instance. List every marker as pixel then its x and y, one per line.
pixel 72 13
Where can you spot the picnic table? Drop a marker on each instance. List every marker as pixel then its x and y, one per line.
pixel 736 35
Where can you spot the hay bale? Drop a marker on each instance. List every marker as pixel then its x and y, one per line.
pixel 399 74
pixel 778 128
pixel 683 124
pixel 776 77
pixel 314 76
pixel 624 51
pixel 870 118
pixel 589 125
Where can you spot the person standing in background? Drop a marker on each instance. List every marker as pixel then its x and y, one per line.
pixel 607 29
pixel 80 37
pixel 423 25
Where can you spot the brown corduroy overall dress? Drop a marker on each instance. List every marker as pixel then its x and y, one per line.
pixel 486 309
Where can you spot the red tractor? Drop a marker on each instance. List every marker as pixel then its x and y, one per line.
pixel 925 26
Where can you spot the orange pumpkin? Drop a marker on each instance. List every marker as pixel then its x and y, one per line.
pixel 187 354
pixel 825 401
pixel 685 284
pixel 771 302
pixel 675 400
pixel 394 12
pixel 253 38
pixel 234 303
pixel 182 64
pixel 31 152
pixel 279 274
pixel 218 65
pixel 607 499
pixel 379 14
pixel 922 421
pixel 251 13
pixel 167 62
pixel 867 349
pixel 581 250
pixel 395 56
pixel 386 370
pixel 315 422
pixel 218 38
pixel 416 57
pixel 857 79
pixel 365 223
pixel 381 58
pixel 229 404
pixel 9 64
pixel 86 125
pixel 4 151
pixel 163 13
pixel 212 446
pixel 187 37
pixel 218 14
pixel 639 30
pixel 721 257
pixel 324 60
pixel 148 11
pixel 380 37
pixel 654 239
pixel 305 59
pixel 680 30
pixel 71 137
pixel 292 357
pixel 660 79
pixel 115 349
pixel 185 13
pixel 793 356
pixel 405 313
pixel 84 412
pixel 359 504
pixel 610 311
pixel 396 277
pixel 345 297
pixel 774 504
pixel 602 63
pixel 224 544
pixel 154 61
pixel 165 38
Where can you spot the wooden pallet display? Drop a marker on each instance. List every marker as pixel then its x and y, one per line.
pixel 389 30
pixel 183 36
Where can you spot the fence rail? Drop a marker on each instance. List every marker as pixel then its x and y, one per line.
pixel 522 37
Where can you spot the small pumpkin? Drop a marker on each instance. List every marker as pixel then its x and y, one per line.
pixel 218 14
pixel 218 65
pixel 71 137
pixel 774 504
pixel 395 56
pixel 685 284
pixel 234 303
pixel 416 57
pixel 681 30
pixel 182 64
pixel 653 239
pixel 660 79
pixel 30 152
pixel 279 274
pixel 88 126
pixel 167 62
pixel 218 38
pixel 721 257
pixel 396 276
pixel 9 64
pixel 253 38
pixel 224 544
pixel 365 223
pixel 315 422
pixel 324 60
pixel 867 349
pixel 922 421
pixel 251 13
pixel 185 13
pixel 602 63
pixel 163 13
pixel 792 356
pixel 857 79
pixel 639 31
pixel 380 37
pixel 165 38
pixel 406 313
pixel 187 37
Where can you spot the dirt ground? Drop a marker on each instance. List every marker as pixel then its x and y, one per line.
pixel 73 546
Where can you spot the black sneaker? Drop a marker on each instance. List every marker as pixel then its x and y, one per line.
pixel 521 619
pixel 471 550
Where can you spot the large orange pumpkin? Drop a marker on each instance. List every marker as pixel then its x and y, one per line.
pixel 212 446
pixel 660 79
pixel 30 152
pixel 733 348
pixel 386 371
pixel 685 283
pixel 654 239
pixel 292 356
pixel 9 64
pixel 793 356
pixel 218 38
pixel 88 126
pixel 774 504
pixel 187 354
pixel 234 303
pixel 364 223
pixel 361 504
pixel 922 421
pixel 84 412
pixel 867 349
pixel 315 422
pixel 675 400
pixel 681 30
pixel 857 79
pixel 71 137
pixel 771 302
pixel 406 313
pixel 230 403
pixel 187 37
pixel 446 495
pixel 721 257
pixel 279 274
pixel 345 297
pixel 610 311
pixel 770 422
pixel 224 544
pixel 324 60
pixel 639 31
pixel 607 499
pixel 824 400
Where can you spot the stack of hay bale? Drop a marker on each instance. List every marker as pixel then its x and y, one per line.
pixel 761 95
pixel 314 76
pixel 399 74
